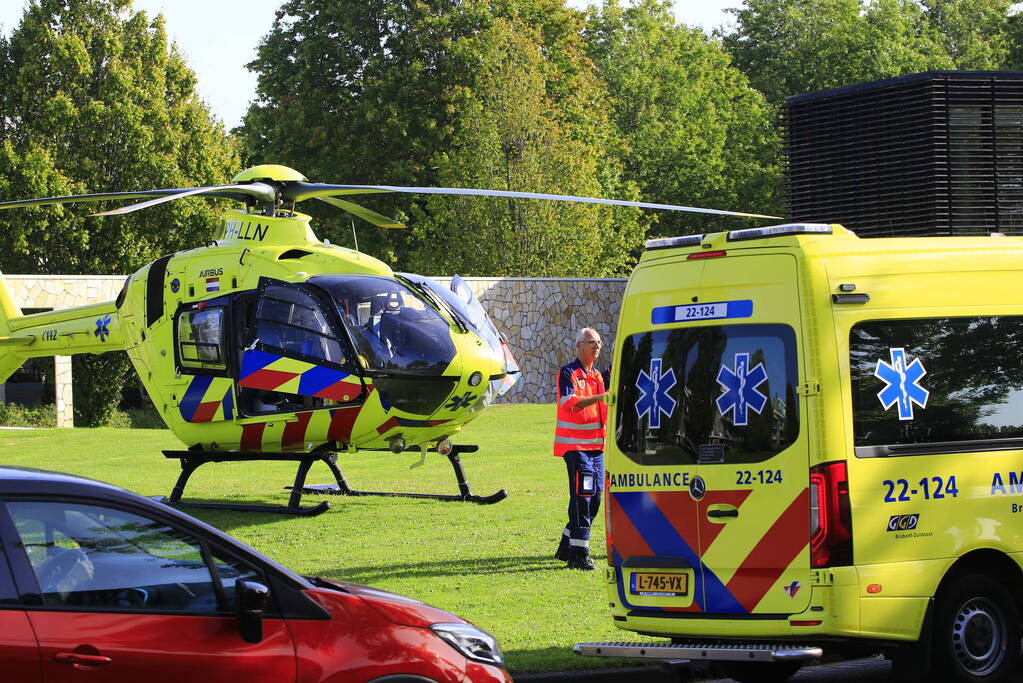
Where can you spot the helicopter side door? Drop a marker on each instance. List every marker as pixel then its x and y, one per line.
pixel 293 354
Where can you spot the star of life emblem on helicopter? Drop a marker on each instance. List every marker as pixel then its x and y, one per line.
pixel 740 389
pixel 461 402
pixel 903 383
pixel 654 399
pixel 102 328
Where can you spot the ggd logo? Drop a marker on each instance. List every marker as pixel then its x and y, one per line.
pixel 903 522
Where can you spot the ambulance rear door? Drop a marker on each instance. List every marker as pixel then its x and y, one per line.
pixel 715 474
pixel 752 457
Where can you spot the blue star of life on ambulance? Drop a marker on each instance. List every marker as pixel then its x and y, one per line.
pixel 654 399
pixel 741 394
pixel 903 383
pixel 102 328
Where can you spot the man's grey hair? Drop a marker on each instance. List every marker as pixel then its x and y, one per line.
pixel 582 333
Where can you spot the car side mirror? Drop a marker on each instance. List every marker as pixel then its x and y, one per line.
pixel 251 598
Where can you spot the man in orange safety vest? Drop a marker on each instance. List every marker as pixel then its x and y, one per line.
pixel 579 440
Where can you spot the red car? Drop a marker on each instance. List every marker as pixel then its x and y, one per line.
pixel 99 584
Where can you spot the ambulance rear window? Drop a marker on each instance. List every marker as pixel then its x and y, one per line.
pixel 936 385
pixel 719 394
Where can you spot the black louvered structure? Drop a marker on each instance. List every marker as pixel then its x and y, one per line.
pixel 936 153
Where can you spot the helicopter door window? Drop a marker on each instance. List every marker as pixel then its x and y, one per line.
pixel 290 320
pixel 201 340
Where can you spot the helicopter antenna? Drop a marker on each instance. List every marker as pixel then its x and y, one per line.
pixel 354 235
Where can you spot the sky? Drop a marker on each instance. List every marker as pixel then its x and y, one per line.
pixel 218 37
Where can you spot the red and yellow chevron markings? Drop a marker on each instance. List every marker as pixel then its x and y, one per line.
pixel 263 370
pixel 672 524
pixel 205 397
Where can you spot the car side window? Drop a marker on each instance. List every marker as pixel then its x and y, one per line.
pixel 88 556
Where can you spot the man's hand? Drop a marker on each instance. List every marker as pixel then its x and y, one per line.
pixel 590 400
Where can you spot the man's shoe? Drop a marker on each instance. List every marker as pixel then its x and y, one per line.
pixel 584 562
pixel 563 553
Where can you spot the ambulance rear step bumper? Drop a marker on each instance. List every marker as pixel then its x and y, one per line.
pixel 745 652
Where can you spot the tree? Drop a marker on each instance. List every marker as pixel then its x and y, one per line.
pixel 790 47
pixel 695 132
pixel 93 99
pixel 416 93
pixel 973 34
pixel 510 134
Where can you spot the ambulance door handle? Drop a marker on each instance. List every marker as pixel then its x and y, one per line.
pixel 734 512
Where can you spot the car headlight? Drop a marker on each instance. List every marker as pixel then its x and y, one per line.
pixel 475 644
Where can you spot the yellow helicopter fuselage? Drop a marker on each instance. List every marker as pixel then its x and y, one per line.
pixel 269 339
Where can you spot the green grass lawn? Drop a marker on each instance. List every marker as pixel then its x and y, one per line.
pixel 490 564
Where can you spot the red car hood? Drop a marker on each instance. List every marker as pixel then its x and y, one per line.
pixel 397 608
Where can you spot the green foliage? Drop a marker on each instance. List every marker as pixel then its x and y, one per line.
pixel 515 129
pixel 420 94
pixel 973 34
pixel 790 47
pixel 92 99
pixel 16 415
pixel 492 565
pixel 695 132
pixel 45 416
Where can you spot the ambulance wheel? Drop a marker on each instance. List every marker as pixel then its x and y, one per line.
pixel 976 631
pixel 761 672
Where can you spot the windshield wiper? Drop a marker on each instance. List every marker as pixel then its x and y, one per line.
pixel 438 302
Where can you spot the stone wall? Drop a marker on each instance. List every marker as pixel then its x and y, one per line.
pixel 538 316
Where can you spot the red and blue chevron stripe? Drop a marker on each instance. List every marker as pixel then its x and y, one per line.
pixel 204 397
pixel 672 524
pixel 269 371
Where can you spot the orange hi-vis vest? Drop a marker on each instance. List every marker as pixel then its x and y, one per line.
pixel 579 429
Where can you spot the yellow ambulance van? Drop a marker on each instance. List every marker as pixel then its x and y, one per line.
pixel 815 447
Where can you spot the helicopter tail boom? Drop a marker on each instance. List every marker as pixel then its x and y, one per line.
pixel 95 328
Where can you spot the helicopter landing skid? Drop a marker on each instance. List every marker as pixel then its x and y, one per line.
pixel 464 495
pixel 192 460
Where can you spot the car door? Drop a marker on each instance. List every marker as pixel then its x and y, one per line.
pixel 115 595
pixel 19 650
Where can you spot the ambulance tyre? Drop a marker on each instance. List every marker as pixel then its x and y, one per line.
pixel 761 672
pixel 976 631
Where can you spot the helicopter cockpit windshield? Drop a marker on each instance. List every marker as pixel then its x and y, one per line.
pixel 393 329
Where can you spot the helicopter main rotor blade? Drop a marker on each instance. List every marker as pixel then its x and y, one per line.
pixel 362 212
pixel 260 191
pixel 301 191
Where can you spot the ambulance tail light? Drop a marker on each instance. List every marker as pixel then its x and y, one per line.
pixel 830 517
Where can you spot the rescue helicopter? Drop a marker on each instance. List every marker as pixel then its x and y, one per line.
pixel 268 343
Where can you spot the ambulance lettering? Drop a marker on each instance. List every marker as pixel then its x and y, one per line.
pixel 645 480
pixel 1015 487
